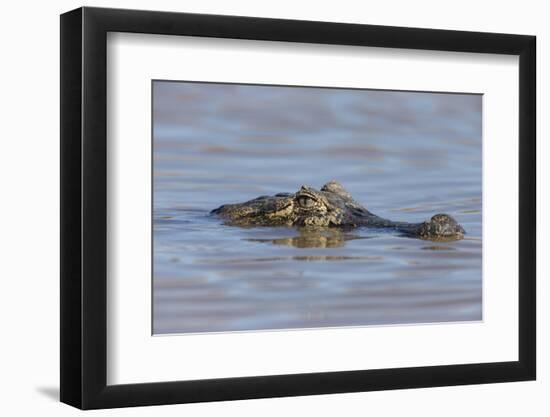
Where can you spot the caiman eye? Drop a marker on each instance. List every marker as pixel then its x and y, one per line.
pixel 306 202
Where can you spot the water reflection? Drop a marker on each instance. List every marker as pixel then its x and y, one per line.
pixel 322 237
pixel 438 247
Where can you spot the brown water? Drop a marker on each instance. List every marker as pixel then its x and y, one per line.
pixel 406 156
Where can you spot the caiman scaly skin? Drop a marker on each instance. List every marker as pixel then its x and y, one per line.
pixel 331 206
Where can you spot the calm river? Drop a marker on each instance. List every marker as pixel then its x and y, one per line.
pixel 406 156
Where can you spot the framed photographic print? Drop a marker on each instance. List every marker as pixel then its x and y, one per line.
pixel 258 207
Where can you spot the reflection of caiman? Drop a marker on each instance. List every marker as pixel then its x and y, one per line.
pixel 332 206
pixel 313 237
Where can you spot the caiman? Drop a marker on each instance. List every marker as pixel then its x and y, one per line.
pixel 331 206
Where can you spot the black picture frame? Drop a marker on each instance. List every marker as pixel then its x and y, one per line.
pixel 84 207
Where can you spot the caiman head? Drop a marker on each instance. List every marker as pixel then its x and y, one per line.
pixel 329 206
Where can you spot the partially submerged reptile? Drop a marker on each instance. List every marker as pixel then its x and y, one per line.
pixel 331 206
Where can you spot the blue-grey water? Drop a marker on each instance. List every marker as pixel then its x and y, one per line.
pixel 404 155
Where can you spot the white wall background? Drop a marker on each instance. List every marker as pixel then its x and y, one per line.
pixel 29 232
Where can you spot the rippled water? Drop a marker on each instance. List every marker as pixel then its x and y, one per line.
pixel 406 156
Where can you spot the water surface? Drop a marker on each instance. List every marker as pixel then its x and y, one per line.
pixel 406 156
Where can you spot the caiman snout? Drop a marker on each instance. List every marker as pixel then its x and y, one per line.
pixel 441 226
